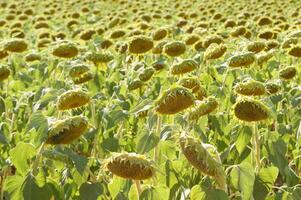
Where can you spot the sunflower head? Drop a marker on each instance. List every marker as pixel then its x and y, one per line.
pixel 130 166
pixel 72 99
pixel 250 87
pixel 67 130
pixel 4 72
pixel 174 100
pixel 251 110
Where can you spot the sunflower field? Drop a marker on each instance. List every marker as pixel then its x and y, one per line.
pixel 150 100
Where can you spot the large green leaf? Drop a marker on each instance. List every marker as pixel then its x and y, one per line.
pixel 20 156
pixel 147 142
pixel 12 187
pixel 199 193
pixel 242 178
pixel 31 190
pixel 39 122
pixel 90 191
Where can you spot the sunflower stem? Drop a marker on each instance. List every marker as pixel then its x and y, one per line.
pixel 37 160
pixel 158 130
pixel 138 187
pixel 256 147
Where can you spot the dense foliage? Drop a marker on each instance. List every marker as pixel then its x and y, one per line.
pixel 157 100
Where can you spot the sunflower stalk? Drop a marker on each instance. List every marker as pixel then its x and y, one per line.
pixel 158 130
pixel 138 187
pixel 37 160
pixel 256 147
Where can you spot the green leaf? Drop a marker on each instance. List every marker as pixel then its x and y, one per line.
pixel 199 193
pixel 12 187
pixel 268 175
pixel 31 190
pixel 242 178
pixel 297 194
pixel 147 142
pixel 2 105
pixel 260 190
pixel 155 193
pixel 79 161
pixel 110 144
pixel 243 139
pixel 116 185
pixel 90 191
pixel 39 122
pixel 20 155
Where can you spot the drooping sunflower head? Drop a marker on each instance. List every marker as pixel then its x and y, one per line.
pixel 15 45
pixel 65 49
pixel 78 69
pixel 67 130
pixel 140 45
pixel 199 157
pixel 251 110
pixel 256 46
pixel 184 66
pixel 174 100
pixel 215 51
pixel 146 74
pixel 288 73
pixel 159 34
pixel 103 57
pixel 130 166
pixel 195 86
pixel 83 78
pixel 295 51
pixel 72 99
pixel 33 57
pixel 204 107
pixel 272 87
pixel 250 87
pixel 241 60
pixel 4 72
pixel 135 84
pixel 174 48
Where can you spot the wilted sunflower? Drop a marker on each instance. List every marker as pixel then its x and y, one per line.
pixel 159 34
pixel 251 110
pixel 146 74
pixel 174 100
pixel 288 73
pixel 250 87
pixel 272 87
pixel 295 51
pixel 78 69
pixel 204 157
pixel 215 51
pixel 135 84
pixel 72 99
pixel 102 57
pixel 65 49
pixel 140 45
pixel 256 46
pixel 242 60
pixel 174 49
pixel 32 57
pixel 184 66
pixel 67 130
pixel 83 78
pixel 130 166
pixel 15 45
pixel 4 72
pixel 204 107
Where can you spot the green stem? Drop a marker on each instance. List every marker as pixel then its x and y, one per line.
pixel 37 160
pixel 158 130
pixel 138 187
pixel 256 147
